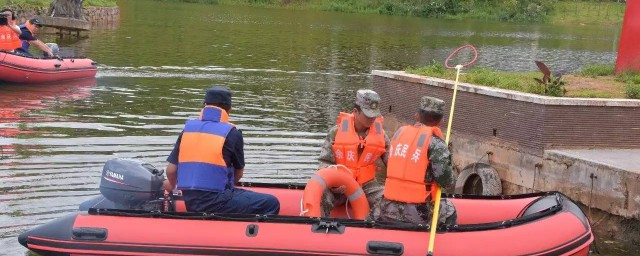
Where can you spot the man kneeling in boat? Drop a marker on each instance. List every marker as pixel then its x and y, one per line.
pixel 359 142
pixel 28 38
pixel 418 157
pixel 208 160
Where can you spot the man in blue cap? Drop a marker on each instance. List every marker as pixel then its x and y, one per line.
pixel 28 38
pixel 208 160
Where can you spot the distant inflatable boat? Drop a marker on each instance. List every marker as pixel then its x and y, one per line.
pixel 546 223
pixel 20 69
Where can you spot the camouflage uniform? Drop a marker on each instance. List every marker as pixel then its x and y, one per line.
pixel 368 102
pixel 439 170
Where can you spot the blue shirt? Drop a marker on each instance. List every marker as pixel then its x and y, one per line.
pixel 232 150
pixel 25 37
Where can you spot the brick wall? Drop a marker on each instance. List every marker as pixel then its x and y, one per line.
pixel 531 122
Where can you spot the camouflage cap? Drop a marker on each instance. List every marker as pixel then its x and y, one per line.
pixel 368 101
pixel 432 104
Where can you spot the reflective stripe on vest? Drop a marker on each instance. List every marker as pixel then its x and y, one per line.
pixel 9 39
pixel 347 143
pixel 408 163
pixel 201 165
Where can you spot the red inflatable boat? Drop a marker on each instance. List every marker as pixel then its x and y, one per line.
pixel 20 69
pixel 546 223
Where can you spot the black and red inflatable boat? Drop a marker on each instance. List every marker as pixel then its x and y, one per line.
pixel 21 69
pixel 133 218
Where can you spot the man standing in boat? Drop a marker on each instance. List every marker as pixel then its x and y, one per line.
pixel 359 142
pixel 418 157
pixel 208 160
pixel 29 29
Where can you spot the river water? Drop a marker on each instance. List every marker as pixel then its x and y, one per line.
pixel 292 72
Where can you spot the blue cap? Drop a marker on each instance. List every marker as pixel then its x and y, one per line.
pixel 35 21
pixel 218 95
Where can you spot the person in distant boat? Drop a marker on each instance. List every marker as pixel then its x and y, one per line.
pixel 418 158
pixel 359 142
pixel 9 31
pixel 208 160
pixel 29 29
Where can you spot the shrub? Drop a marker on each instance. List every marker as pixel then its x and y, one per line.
pixel 632 91
pixel 553 83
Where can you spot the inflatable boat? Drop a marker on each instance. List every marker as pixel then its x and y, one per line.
pixel 133 217
pixel 21 69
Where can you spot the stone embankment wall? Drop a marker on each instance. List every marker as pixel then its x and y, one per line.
pixel 95 15
pixel 102 15
pixel 517 133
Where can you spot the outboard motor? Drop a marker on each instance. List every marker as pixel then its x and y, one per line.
pixel 128 184
pixel 54 48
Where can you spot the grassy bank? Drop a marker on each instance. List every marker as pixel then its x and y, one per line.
pixel 46 3
pixel 552 11
pixel 594 81
pixel 583 13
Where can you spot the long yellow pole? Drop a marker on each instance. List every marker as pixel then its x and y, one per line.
pixel 436 209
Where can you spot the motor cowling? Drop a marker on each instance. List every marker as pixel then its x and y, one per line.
pixel 130 182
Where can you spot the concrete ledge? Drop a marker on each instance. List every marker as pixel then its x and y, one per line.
pixel 66 23
pixel 618 159
pixel 588 180
pixel 503 93
pixel 605 179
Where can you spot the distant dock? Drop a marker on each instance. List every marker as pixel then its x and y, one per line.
pixel 66 24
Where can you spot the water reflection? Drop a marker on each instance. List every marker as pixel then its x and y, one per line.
pixel 17 100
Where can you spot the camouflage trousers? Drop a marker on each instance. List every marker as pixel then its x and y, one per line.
pixel 372 190
pixel 414 213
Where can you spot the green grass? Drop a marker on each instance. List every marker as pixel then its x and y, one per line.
pixel 633 91
pixel 595 70
pixel 46 3
pixel 100 3
pixel 625 85
pixel 589 93
pixel 632 81
pixel 192 1
pixel 552 11
pixel 517 81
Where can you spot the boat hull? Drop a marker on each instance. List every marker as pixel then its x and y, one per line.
pixel 564 230
pixel 20 69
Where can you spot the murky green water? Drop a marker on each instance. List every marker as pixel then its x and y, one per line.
pixel 291 73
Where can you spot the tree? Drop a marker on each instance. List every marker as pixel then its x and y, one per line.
pixel 66 8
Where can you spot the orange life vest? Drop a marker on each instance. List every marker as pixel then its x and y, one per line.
pixel 9 39
pixel 407 165
pixel 347 143
pixel 201 165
